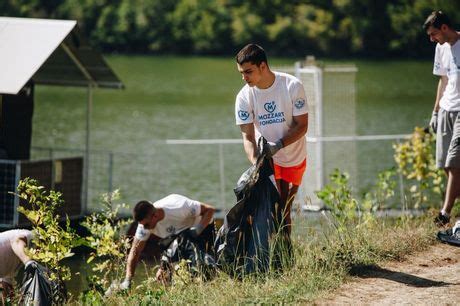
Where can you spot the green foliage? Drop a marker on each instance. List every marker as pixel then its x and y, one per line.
pixel 289 27
pixel 352 220
pixel 52 242
pixel 337 196
pixel 381 192
pixel 415 160
pixel 407 18
pixel 320 266
pixel 110 246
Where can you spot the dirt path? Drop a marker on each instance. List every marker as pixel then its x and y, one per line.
pixel 431 277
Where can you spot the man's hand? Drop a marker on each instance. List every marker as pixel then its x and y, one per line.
pixel 270 148
pixel 126 284
pixel 434 122
pixel 7 292
pixel 30 264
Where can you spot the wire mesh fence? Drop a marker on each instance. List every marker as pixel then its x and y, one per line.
pixel 207 170
pixel 8 182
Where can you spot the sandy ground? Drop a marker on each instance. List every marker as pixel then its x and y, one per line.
pixel 431 277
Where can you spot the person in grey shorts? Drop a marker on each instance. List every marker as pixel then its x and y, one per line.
pixel 444 121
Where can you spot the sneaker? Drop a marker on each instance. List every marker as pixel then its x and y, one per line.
pixel 456 230
pixel 441 220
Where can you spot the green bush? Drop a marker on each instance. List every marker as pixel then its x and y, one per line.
pixel 52 242
pixel 109 245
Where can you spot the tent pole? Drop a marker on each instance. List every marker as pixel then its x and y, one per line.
pixel 89 108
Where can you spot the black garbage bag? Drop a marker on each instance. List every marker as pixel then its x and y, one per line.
pixel 39 290
pixel 200 259
pixel 254 237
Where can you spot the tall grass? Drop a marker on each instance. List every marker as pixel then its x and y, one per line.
pixel 322 262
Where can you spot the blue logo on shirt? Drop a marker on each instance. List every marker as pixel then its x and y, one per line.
pixel 243 115
pixel 299 103
pixel 270 106
pixel 455 62
pixel 142 233
pixel 437 65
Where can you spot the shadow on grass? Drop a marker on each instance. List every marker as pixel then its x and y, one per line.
pixel 373 271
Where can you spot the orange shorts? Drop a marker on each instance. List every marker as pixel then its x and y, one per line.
pixel 291 174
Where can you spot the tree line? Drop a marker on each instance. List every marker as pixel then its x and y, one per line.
pixel 337 28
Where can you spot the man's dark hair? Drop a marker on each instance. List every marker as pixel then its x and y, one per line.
pixel 437 19
pixel 251 53
pixel 142 209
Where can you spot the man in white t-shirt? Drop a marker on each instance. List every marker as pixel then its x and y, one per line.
pixel 12 253
pixel 444 121
pixel 168 216
pixel 273 105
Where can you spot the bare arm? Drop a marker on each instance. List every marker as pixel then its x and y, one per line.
pixel 297 131
pixel 133 257
pixel 440 91
pixel 249 141
pixel 18 245
pixel 206 213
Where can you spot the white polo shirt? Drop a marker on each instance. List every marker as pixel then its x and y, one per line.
pixel 180 213
pixel 271 110
pixel 447 63
pixel 9 262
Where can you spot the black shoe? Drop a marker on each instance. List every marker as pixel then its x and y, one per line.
pixel 441 220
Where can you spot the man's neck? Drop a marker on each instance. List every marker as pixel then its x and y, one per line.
pixel 161 214
pixel 267 81
pixel 453 38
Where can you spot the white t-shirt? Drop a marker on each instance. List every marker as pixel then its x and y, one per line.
pixel 180 213
pixel 447 62
pixel 8 259
pixel 271 111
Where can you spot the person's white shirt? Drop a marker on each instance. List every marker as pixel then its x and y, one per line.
pixel 180 213
pixel 271 110
pixel 447 63
pixel 9 261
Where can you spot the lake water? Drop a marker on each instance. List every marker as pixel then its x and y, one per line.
pixel 193 98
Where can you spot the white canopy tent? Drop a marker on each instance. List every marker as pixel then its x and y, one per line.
pixel 52 52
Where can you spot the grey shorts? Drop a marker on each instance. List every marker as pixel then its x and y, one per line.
pixel 448 140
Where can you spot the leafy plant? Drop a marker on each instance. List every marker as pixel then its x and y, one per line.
pixel 52 242
pixel 337 196
pixel 381 192
pixel 109 245
pixel 415 161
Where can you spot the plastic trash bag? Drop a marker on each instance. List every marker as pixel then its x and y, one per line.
pixel 39 290
pixel 200 260
pixel 254 237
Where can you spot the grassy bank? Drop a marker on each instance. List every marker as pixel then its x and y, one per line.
pixel 323 259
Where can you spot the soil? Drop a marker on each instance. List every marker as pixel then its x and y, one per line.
pixel 425 278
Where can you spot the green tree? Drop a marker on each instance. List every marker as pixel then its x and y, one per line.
pixel 200 26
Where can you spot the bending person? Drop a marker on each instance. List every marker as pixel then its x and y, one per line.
pixel 168 216
pixel 12 253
